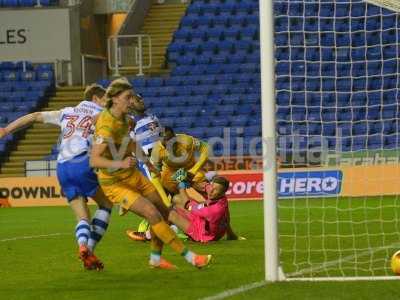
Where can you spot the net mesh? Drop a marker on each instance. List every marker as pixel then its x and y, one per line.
pixel 337 85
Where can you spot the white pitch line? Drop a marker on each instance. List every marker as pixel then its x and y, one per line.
pixel 245 288
pixel 239 290
pixel 32 237
pixel 344 259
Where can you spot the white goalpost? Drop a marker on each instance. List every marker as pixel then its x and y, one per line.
pixel 268 137
pixel 330 109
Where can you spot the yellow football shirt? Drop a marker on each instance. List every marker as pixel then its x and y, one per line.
pixel 115 133
pixel 181 154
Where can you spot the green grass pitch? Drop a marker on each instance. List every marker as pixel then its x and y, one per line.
pixel 46 267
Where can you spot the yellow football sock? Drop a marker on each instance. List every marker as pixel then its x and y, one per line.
pixel 156 245
pixel 168 236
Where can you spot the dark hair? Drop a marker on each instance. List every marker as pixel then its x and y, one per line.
pixel 168 129
pixel 222 181
pixel 93 90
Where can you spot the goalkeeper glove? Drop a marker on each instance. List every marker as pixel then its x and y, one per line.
pixel 180 175
pixel 183 185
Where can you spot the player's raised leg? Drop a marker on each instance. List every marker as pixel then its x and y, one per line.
pixel 161 229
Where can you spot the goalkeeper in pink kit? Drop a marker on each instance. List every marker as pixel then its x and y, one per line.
pixel 208 220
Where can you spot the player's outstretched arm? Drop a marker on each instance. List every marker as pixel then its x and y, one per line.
pixel 203 149
pixel 21 123
pixel 51 117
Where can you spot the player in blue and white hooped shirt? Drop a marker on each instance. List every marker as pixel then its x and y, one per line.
pixel 77 179
pixel 146 132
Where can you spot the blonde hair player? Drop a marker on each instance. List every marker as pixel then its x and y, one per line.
pixel 122 181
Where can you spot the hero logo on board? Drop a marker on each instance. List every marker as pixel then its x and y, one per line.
pixel 309 183
pixel 289 184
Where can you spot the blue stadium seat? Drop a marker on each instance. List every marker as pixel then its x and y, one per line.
pixel 11 76
pixel 314 113
pixel 11 116
pixel 173 81
pixel 249 33
pixel 298 113
pixel 3 120
pixel 253 130
pixel 358 143
pixel 375 141
pixel 13 66
pixel 281 39
pixel 230 69
pixel 253 99
pixel 181 70
pixel 184 122
pixel 359 113
pixel 27 2
pixel 360 128
pixel 219 123
pixel 214 132
pixel 7 107
pixel 155 82
pixel 104 82
pixel 239 120
pixel 10 3
pixel 183 34
pixel 230 100
pixel 328 129
pixel 45 75
pixel 391 141
pixel 6 87
pixel 231 33
pixel 389 112
pixel 200 122
pixel 344 129
pixel 225 110
pixel 313 99
pixel 280 8
pixel 225 79
pixel 24 107
pixel 373 113
pixel 389 127
pixel 40 85
pixel 218 58
pixel 375 128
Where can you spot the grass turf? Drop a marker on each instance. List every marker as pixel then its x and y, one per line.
pixel 47 267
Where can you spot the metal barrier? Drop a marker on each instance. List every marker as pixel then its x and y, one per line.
pixel 40 168
pixel 125 53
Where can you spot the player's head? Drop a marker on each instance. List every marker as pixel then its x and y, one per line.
pixel 166 135
pixel 95 92
pixel 119 95
pixel 138 104
pixel 219 186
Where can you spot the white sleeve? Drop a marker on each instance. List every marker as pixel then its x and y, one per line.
pixel 132 135
pixel 52 117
